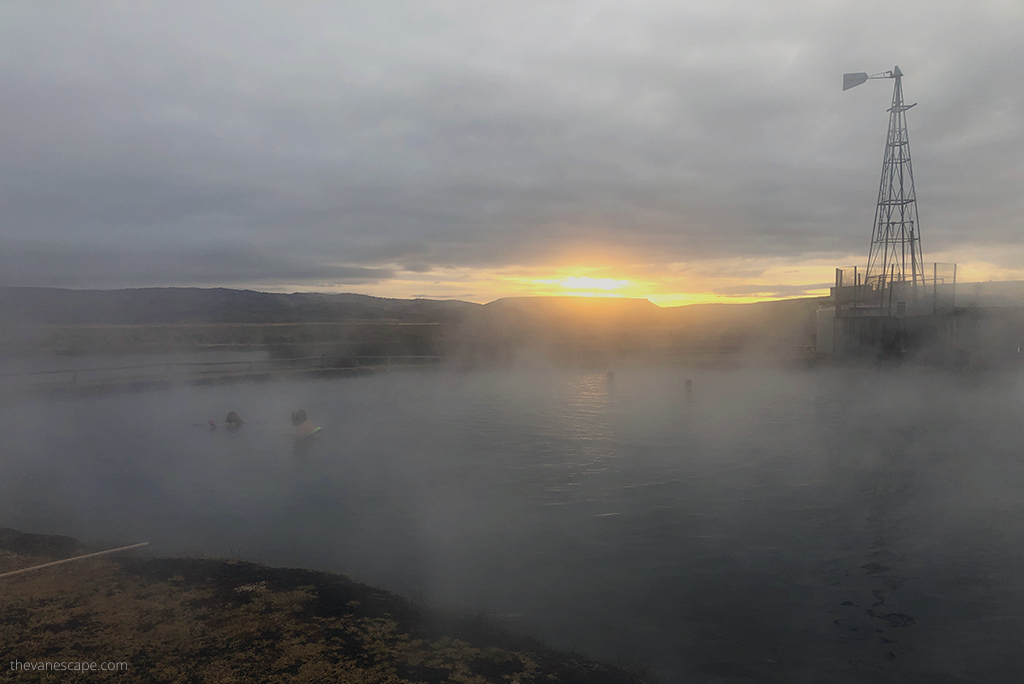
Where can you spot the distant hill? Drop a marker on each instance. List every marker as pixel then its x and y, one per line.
pixel 765 326
pixel 572 311
pixel 52 306
pixel 40 321
pixel 618 323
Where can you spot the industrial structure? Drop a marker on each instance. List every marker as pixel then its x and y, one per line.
pixel 898 305
pixel 895 254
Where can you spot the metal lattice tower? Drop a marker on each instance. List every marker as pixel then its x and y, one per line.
pixel 895 253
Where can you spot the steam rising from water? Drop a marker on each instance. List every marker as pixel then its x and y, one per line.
pixel 781 526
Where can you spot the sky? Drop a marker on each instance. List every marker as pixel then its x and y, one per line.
pixel 678 151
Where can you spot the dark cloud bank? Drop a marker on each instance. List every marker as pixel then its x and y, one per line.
pixel 175 144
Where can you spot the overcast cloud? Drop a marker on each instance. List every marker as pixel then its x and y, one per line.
pixel 357 145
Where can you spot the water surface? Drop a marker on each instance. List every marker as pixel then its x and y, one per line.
pixel 828 525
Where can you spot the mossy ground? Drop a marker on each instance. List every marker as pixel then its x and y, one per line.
pixel 201 620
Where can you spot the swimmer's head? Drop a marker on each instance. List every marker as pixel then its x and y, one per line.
pixel 233 419
pixel 298 417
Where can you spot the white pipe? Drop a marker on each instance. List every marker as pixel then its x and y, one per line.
pixel 68 560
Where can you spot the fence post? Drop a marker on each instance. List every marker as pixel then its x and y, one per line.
pixel 856 290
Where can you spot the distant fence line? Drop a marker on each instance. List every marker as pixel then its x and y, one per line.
pixel 118 326
pixel 152 371
pixel 200 372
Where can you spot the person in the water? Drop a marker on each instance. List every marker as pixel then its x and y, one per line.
pixel 232 422
pixel 303 426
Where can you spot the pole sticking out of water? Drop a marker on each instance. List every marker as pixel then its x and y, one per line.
pixel 75 558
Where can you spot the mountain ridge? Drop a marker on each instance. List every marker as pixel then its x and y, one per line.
pixel 181 305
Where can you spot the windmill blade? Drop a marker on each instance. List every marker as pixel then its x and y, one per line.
pixel 853 80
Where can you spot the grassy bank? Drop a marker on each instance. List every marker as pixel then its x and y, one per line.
pixel 202 620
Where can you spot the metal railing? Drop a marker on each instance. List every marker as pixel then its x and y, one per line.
pixel 932 291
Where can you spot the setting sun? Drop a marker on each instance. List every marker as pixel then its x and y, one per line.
pixel 587 286
pixel 583 283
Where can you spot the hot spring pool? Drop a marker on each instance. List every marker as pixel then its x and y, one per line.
pixel 825 525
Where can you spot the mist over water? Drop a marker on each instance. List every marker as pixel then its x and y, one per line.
pixel 826 525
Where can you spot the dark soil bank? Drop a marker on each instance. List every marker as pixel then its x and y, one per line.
pixel 202 620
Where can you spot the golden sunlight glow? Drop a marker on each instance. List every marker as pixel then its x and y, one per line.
pixel 585 283
pixel 582 286
pixel 734 280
